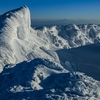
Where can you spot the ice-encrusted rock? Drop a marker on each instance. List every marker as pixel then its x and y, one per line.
pixel 18 41
pixel 14 22
pixel 14 25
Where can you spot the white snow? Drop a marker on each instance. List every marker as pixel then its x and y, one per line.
pixel 30 67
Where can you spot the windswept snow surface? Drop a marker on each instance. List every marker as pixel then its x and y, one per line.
pixel 30 69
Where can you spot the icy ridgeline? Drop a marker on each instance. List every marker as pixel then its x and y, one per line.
pixel 32 68
pixel 74 35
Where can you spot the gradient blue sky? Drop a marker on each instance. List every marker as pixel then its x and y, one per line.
pixel 56 9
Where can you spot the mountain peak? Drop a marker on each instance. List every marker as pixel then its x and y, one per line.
pixel 12 20
pixel 14 25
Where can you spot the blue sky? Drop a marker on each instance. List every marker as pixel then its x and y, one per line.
pixel 56 9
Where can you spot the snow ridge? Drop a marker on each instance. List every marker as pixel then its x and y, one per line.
pixel 73 35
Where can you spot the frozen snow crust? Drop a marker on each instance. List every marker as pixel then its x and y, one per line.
pixel 31 69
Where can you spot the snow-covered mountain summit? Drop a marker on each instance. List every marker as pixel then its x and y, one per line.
pixel 30 68
pixel 14 21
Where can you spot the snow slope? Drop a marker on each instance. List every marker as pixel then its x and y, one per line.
pixel 84 59
pixel 30 68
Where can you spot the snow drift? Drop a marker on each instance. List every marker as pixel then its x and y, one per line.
pixel 32 70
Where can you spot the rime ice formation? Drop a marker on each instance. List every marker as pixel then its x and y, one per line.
pixel 18 41
pixel 41 64
pixel 14 27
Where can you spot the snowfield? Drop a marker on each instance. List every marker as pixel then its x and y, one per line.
pixel 47 63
